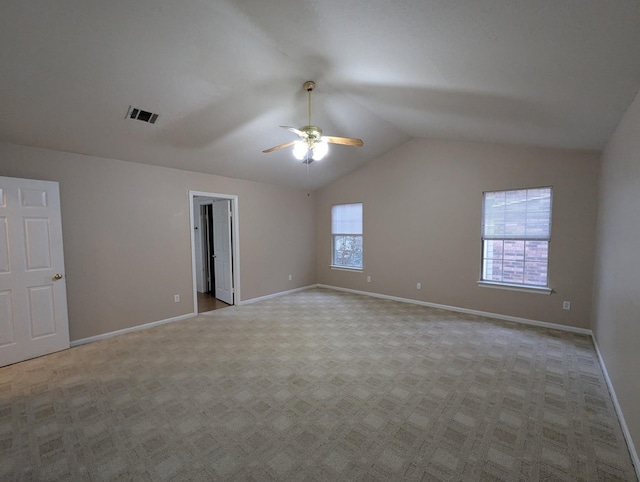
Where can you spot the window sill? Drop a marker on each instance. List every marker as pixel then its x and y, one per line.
pixel 540 290
pixel 346 268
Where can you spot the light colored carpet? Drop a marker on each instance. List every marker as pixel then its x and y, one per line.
pixel 317 385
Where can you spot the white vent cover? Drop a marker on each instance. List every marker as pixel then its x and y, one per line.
pixel 141 115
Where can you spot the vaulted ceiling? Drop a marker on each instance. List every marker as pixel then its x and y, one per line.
pixel 224 74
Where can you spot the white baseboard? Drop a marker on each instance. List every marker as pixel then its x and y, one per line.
pixel 104 336
pixel 623 424
pixel 275 295
pixel 515 319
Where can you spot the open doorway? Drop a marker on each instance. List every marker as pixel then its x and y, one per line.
pixel 214 250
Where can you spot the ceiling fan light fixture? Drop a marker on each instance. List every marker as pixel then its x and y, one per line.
pixel 320 149
pixel 300 150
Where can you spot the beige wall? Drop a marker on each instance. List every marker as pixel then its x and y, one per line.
pixel 127 236
pixel 422 215
pixel 616 320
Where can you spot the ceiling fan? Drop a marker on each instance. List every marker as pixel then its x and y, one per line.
pixel 312 145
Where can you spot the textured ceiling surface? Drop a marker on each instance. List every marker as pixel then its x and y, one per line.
pixel 223 75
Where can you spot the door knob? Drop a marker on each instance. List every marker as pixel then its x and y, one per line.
pixel 57 276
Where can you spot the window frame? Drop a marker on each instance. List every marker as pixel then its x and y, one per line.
pixel 507 285
pixel 333 264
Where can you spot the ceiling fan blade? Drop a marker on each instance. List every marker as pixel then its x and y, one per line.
pixel 345 141
pixel 293 129
pixel 281 146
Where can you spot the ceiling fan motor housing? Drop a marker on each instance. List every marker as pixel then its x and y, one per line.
pixel 311 134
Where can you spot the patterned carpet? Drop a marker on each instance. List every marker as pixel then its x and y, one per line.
pixel 317 385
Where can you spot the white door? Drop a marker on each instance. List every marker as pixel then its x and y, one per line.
pixel 222 250
pixel 33 295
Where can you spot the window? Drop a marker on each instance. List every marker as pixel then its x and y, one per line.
pixel 346 231
pixel 516 229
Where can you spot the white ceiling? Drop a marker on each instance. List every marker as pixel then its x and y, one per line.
pixel 223 75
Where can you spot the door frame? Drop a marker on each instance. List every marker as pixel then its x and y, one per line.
pixel 235 243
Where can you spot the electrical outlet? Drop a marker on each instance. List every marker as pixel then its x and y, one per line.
pixel 290 277
pixel 418 286
pixel 176 298
pixel 368 279
pixel 566 305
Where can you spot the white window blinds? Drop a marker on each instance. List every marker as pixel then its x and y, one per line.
pixel 519 214
pixel 346 219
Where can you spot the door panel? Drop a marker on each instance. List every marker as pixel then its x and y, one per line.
pixel 33 298
pixel 37 242
pixel 33 198
pixel 6 319
pixel 41 311
pixel 4 247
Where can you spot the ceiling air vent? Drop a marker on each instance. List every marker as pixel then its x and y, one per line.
pixel 141 115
